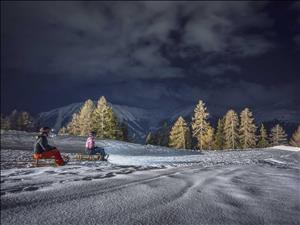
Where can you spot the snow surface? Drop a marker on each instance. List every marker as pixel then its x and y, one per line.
pixel 287 148
pixel 149 185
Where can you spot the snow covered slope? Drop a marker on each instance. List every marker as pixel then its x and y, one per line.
pixel 124 153
pixel 149 185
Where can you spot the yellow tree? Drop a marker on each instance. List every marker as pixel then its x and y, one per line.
pixel 200 125
pixel 278 135
pixel 73 127
pixel 247 130
pixel 85 117
pixel 263 137
pixel 180 135
pixel 208 139
pixel 231 134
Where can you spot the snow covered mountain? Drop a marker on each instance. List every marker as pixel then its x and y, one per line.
pixel 140 121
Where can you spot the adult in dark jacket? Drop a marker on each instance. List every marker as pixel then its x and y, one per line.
pixel 43 150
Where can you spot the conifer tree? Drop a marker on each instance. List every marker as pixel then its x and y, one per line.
pixel 231 130
pixel 73 127
pixel 105 122
pixel 163 135
pixel 247 130
pixel 85 117
pixel 219 136
pixel 278 136
pixel 25 121
pixel 188 138
pixel 113 130
pixel 200 125
pixel 4 122
pixel 124 132
pixel 63 131
pixel 263 137
pixel 208 139
pixel 100 118
pixel 150 139
pixel 180 135
pixel 295 140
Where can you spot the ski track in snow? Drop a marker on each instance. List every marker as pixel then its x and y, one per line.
pixel 149 185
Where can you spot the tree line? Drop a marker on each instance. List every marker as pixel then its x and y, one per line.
pixel 232 132
pixel 18 121
pixel 99 118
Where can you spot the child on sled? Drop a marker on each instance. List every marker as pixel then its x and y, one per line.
pixel 92 149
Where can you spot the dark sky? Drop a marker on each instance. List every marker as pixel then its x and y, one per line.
pixel 150 54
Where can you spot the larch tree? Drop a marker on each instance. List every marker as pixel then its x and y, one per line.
pixel 295 140
pixel 231 132
pixel 180 135
pixel 200 125
pixel 208 139
pixel 262 137
pixel 105 122
pixel 247 130
pixel 219 135
pixel 113 130
pixel 85 117
pixel 278 136
pixel 100 118
pixel 73 127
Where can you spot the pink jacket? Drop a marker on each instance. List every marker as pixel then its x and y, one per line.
pixel 90 143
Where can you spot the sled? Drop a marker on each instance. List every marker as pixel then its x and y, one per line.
pixel 41 162
pixel 86 157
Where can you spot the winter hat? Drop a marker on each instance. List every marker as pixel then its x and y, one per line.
pixel 92 133
pixel 45 129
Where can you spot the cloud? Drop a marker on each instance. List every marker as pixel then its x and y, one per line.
pixel 216 70
pixel 219 26
pixel 118 41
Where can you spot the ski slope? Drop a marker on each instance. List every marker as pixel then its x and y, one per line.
pixel 149 185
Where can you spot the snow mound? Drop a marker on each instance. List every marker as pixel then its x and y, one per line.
pixel 287 148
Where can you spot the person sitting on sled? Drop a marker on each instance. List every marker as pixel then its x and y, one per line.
pixel 42 150
pixel 91 148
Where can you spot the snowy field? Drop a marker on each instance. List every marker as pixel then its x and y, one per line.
pixel 149 185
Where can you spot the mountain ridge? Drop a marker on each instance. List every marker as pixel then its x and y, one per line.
pixel 140 121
